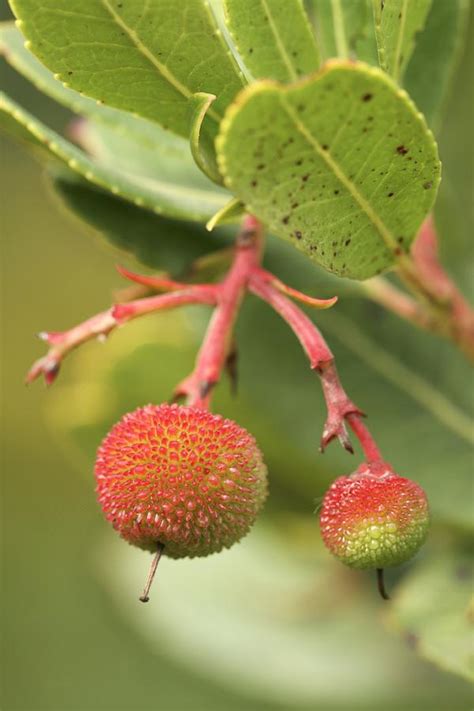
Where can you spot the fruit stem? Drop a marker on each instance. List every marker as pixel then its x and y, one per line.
pixel 370 449
pixel 217 345
pixel 225 296
pixel 381 584
pixel 339 406
pixel 154 565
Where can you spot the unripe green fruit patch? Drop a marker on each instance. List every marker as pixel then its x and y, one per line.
pixel 372 521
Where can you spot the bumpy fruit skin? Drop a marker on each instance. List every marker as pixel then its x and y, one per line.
pixel 374 518
pixel 182 477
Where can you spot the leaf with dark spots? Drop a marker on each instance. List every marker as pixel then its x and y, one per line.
pixel 343 173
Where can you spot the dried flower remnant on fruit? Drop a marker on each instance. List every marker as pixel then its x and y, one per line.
pixel 374 518
pixel 181 477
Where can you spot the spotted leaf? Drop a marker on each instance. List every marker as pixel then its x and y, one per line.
pixel 342 164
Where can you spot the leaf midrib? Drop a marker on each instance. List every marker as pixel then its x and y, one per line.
pixel 339 29
pixel 365 206
pixel 279 43
pixel 398 46
pixel 150 57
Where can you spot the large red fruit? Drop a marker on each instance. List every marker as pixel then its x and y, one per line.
pixel 180 477
pixel 374 518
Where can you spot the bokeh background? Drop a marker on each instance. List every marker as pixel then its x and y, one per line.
pixel 273 623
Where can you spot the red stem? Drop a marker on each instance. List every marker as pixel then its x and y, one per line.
pixel 447 312
pixel 199 294
pixel 370 449
pixel 244 274
pixel 217 343
pixel 63 342
pixel 389 296
pixel 339 406
pixel 310 338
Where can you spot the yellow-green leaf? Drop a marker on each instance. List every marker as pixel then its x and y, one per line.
pixel 397 22
pixel 147 58
pixel 341 164
pixel 273 37
pixel 163 196
pixel 434 610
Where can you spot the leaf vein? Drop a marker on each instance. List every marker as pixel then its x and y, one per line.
pixel 159 66
pixel 339 29
pixel 279 43
pixel 384 232
pixel 398 46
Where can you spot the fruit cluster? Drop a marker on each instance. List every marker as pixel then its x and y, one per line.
pixel 179 480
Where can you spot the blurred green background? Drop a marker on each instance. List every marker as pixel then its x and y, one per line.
pixel 273 623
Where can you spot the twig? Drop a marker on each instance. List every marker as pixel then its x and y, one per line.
pixel 214 352
pixel 245 274
pixel 446 312
pixel 100 326
pixel 339 406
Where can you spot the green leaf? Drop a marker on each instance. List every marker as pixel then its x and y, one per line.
pixel 159 155
pixel 154 240
pixel 13 49
pixel 202 144
pixel 127 142
pixel 273 37
pixel 18 131
pixel 115 138
pixel 151 141
pixel 124 141
pixel 397 23
pixel 345 28
pixel 145 58
pixel 438 48
pixel 164 197
pixel 434 611
pixel 304 609
pixel 234 209
pixel 341 164
pixel 145 133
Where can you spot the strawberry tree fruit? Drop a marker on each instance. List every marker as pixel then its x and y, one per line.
pixel 374 518
pixel 182 477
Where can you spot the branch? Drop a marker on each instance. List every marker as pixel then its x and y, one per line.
pixel 218 349
pixel 384 293
pixel 339 406
pixel 442 308
pixel 61 343
pixel 218 344
pixel 199 294
pixel 99 326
